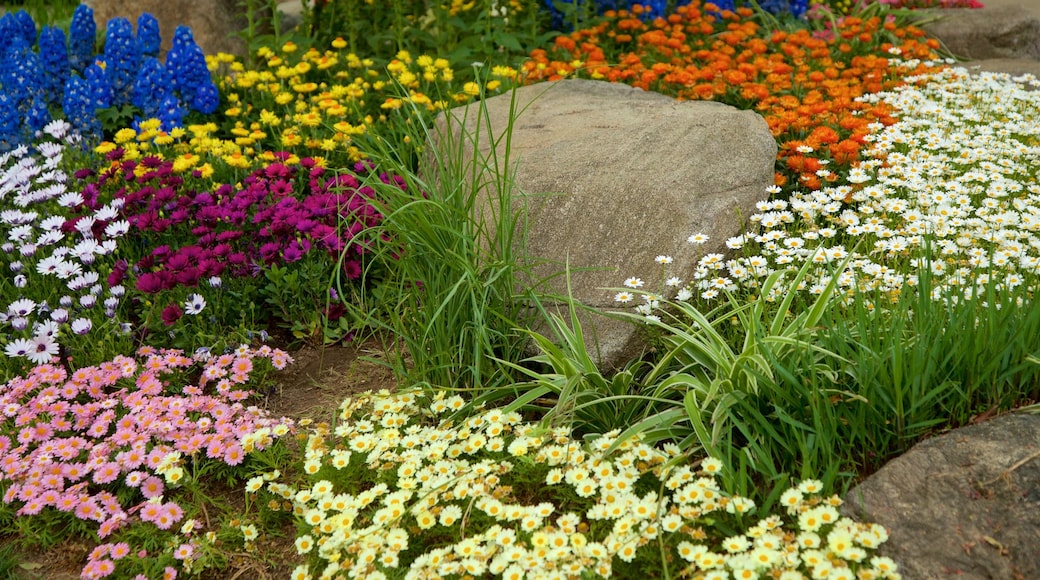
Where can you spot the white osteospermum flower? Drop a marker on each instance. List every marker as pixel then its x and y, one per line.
pixel 194 305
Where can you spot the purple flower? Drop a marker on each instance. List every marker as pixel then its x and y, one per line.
pixel 171 314
pixel 150 283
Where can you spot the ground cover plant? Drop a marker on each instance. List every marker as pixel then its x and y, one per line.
pixel 164 218
pixel 926 238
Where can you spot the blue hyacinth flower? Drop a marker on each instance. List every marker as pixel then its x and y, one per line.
pixel 148 38
pixel 98 87
pixel 186 64
pixel 151 87
pixel 39 114
pixel 82 35
pixel 207 98
pixel 21 73
pixel 25 26
pixel 171 113
pixel 10 123
pixel 54 57
pixel 79 110
pixel 121 59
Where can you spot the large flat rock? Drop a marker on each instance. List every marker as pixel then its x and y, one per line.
pixel 962 505
pixel 612 176
pixel 1003 31
pixel 214 23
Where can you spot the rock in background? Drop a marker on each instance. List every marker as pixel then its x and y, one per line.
pixel 214 23
pixel 962 505
pixel 612 176
pixel 1000 32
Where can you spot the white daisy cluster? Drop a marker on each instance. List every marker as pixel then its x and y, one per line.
pixel 53 273
pixel 461 482
pixel 950 189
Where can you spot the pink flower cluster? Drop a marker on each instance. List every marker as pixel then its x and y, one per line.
pixel 66 440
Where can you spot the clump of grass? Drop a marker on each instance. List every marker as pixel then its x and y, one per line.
pixel 452 236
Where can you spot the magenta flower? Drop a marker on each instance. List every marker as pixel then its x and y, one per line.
pixel 171 314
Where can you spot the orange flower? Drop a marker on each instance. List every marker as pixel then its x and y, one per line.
pixel 804 87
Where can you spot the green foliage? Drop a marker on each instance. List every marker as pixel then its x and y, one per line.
pixel 925 362
pixel 452 293
pixel 265 28
pixel 499 31
pixel 566 388
pixel 45 12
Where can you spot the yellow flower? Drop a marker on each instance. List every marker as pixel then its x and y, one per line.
pixel 105 147
pixel 236 160
pixel 408 78
pixel 291 139
pixel 326 62
pixel 233 112
pixel 125 135
pixel 505 72
pixel 269 118
pixel 289 47
pixel 284 98
pixel 185 162
pixel 338 42
pixel 305 87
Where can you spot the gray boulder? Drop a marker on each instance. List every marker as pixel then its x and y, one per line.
pixel 965 504
pixel 213 23
pixel 982 33
pixel 611 177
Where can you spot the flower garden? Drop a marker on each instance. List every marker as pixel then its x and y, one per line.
pixel 173 224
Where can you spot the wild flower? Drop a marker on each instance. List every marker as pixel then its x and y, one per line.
pixel 122 59
pixel 805 87
pixel 84 433
pixel 18 24
pixel 616 500
pixel 82 36
pixel 54 58
pixel 78 102
pixel 57 271
pixel 316 103
pixel 186 64
pixel 148 37
pixel 946 192
pixel 151 87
